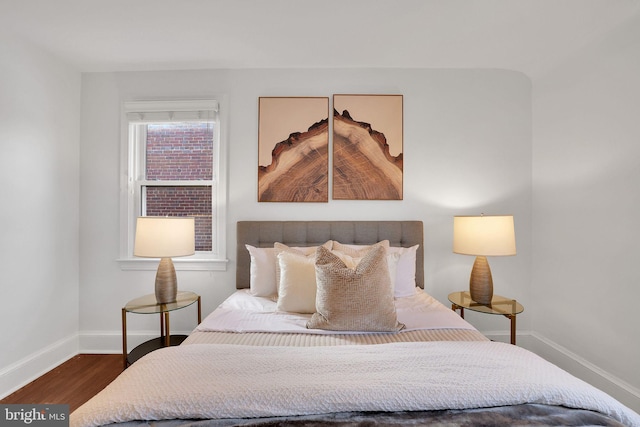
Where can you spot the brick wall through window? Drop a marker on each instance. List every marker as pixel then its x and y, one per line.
pixel 181 152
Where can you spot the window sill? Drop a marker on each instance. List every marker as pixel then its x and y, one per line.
pixel 194 264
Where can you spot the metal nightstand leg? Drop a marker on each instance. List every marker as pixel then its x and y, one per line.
pixel 512 317
pixel 167 335
pixel 124 339
pixel 456 307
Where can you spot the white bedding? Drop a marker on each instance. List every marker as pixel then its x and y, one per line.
pixel 227 381
pixel 243 312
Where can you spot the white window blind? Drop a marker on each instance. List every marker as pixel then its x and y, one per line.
pixel 170 111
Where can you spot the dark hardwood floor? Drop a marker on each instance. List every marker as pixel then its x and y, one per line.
pixel 73 383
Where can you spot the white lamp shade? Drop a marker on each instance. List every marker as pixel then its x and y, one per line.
pixel 164 237
pixel 484 235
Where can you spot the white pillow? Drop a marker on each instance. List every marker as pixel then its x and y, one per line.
pixel 405 282
pixel 263 271
pixel 392 264
pixel 297 287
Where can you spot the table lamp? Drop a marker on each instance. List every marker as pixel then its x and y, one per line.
pixel 483 236
pixel 164 238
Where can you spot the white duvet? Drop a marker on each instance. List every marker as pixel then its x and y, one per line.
pixel 243 312
pixel 229 381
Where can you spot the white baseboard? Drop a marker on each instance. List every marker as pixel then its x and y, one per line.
pixel 560 356
pixel 22 372
pixel 101 342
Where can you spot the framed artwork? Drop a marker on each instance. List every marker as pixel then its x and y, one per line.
pixel 293 149
pixel 367 147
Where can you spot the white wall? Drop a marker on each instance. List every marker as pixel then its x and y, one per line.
pixel 586 282
pixel 467 148
pixel 39 211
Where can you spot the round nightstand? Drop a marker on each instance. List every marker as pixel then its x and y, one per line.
pixel 499 305
pixel 147 305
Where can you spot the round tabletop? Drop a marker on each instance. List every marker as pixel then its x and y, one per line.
pixel 148 305
pixel 499 304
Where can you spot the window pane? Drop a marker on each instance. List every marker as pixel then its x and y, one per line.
pixel 183 201
pixel 179 151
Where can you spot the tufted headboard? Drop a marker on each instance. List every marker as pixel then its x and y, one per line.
pixel 262 234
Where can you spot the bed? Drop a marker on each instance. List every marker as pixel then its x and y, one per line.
pixel 330 326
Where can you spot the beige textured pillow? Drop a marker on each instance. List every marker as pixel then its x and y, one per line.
pixel 359 299
pixel 356 252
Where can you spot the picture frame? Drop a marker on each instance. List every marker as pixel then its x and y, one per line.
pixel 293 149
pixel 367 147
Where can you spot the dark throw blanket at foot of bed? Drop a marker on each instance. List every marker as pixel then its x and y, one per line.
pixel 518 415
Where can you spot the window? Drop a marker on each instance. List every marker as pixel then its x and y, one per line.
pixel 174 166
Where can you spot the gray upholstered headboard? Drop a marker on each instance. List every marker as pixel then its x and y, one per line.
pixel 263 234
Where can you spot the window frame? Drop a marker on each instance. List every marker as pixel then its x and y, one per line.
pixel 132 181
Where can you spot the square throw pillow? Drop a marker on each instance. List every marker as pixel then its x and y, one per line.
pixel 405 277
pixel 262 281
pixel 352 262
pixel 297 287
pixel 359 299
pixel 402 264
pixel 308 251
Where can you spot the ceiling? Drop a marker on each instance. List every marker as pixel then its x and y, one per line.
pixel 124 35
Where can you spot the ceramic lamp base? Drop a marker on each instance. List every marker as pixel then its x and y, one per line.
pixel 166 282
pixel 481 282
